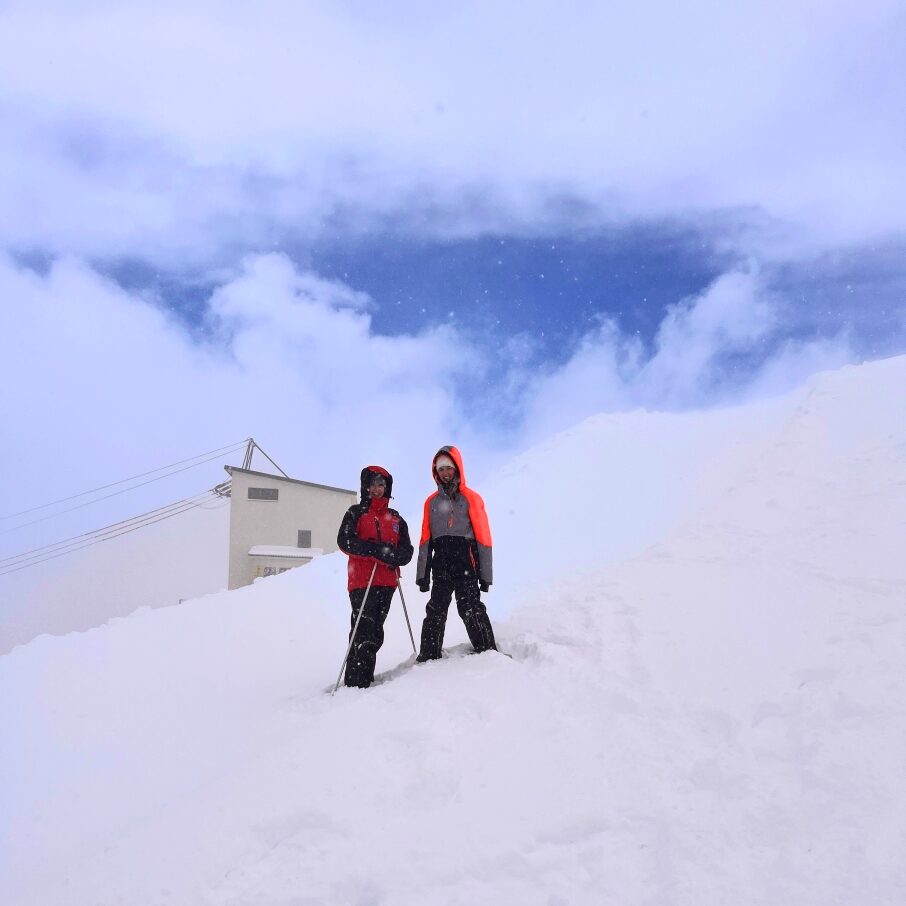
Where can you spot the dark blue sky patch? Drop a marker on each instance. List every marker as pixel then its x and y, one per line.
pixel 859 291
pixel 184 296
pixel 35 260
pixel 555 288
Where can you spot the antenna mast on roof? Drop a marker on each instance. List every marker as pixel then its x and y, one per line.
pixel 249 451
pixel 224 488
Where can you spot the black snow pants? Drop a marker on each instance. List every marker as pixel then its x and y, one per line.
pixel 370 634
pixel 468 602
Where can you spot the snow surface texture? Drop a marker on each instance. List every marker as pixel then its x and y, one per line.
pixel 720 719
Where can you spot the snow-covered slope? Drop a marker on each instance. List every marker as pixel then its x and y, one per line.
pixel 719 719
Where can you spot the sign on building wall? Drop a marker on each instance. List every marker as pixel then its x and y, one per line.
pixel 262 571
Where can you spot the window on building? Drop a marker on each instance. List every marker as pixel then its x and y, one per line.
pixel 304 538
pixel 263 493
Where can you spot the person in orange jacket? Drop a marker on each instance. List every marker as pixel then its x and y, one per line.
pixel 454 549
pixel 372 533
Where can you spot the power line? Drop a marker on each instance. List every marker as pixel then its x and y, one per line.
pixel 211 453
pixel 6 572
pixel 108 533
pixel 103 533
pixel 79 506
pixel 39 555
pixel 114 526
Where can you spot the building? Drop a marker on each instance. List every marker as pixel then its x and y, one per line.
pixel 277 523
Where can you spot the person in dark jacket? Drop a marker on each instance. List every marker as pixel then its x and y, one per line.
pixel 376 538
pixel 455 548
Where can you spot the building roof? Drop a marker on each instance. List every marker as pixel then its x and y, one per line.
pixel 311 484
pixel 279 550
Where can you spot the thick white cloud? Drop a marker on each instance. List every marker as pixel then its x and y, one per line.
pixel 731 317
pixel 100 384
pixel 692 362
pixel 180 129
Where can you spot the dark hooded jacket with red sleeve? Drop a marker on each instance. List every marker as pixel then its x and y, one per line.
pixel 456 538
pixel 371 532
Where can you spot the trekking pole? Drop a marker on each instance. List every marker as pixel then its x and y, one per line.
pixel 399 585
pixel 355 628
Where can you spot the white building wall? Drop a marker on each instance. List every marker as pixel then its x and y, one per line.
pixel 300 505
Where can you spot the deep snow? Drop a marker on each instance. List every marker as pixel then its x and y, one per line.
pixel 717 718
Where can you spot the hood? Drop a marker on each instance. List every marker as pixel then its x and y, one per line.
pixel 456 456
pixel 366 477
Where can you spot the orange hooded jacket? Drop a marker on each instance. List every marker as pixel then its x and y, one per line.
pixel 466 517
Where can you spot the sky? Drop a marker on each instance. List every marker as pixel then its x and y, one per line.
pixel 359 231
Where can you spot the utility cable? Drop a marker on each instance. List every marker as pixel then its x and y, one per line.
pixel 211 453
pixel 107 529
pixel 89 540
pixel 15 569
pixel 79 506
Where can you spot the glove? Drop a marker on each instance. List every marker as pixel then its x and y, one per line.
pixel 384 553
pixel 424 585
pixel 483 585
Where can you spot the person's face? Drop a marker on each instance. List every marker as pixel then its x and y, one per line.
pixel 446 473
pixel 377 487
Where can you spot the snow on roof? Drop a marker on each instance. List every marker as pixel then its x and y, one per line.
pixel 279 550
